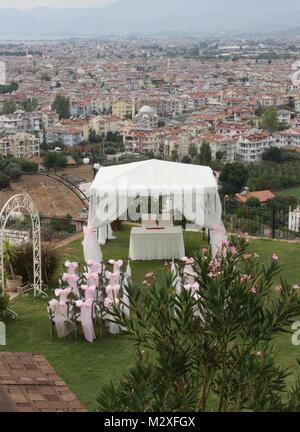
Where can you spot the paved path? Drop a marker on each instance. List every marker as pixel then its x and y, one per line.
pixel 68 240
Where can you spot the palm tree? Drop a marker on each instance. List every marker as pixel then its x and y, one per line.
pixel 10 253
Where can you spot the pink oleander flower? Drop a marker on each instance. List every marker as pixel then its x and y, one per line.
pixel 296 287
pixel 233 250
pixel 275 257
pixel 259 353
pixel 278 288
pixel 254 289
pixel 146 284
pixel 247 256
pixel 245 278
pixel 204 251
pixel 225 244
pixel 213 275
pixel 244 235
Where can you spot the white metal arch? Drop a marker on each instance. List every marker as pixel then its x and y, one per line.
pixel 18 202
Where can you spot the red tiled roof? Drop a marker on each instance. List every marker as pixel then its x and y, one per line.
pixel 263 196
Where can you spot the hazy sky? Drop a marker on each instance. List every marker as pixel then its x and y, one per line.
pixel 29 4
pixel 242 4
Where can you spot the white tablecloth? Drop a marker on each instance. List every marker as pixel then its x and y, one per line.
pixel 148 245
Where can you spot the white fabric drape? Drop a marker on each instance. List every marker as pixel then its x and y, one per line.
pixel 192 190
pixel 105 233
pixel 91 248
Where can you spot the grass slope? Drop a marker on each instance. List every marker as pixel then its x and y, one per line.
pixel 86 368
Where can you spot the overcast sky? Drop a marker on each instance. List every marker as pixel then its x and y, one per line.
pixel 242 4
pixel 29 4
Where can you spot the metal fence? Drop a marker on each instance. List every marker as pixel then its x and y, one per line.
pixel 264 221
pixel 52 229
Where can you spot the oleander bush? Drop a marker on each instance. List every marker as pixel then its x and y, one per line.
pixel 209 346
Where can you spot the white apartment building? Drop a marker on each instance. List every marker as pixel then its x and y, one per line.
pixel 220 145
pixel 69 137
pixel 25 122
pixel 294 220
pixel 250 148
pixel 284 116
pixel 20 144
pixel 290 138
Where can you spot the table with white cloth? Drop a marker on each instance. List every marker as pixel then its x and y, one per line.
pixel 156 244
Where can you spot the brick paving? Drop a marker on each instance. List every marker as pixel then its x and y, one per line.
pixel 29 384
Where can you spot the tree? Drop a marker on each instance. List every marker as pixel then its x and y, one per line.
pixel 45 77
pixel 205 154
pixel 30 104
pixel 233 178
pixel 61 105
pixel 9 106
pixel 4 181
pixel 270 120
pixel 273 154
pixel 174 155
pixel 193 152
pixel 253 202
pixel 283 201
pixel 186 159
pixel 28 166
pixel 13 171
pixel 211 346
pixel 8 88
pixel 161 123
pixel 54 160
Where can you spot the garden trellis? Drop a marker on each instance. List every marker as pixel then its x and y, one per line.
pixel 14 204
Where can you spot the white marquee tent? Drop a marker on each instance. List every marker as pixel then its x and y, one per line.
pixel 192 189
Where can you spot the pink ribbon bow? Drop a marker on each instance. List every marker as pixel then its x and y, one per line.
pixel 92 278
pixel 71 266
pixel 71 279
pixel 63 294
pixel 113 278
pixel 112 291
pixel 94 266
pixel 117 264
pixel 88 230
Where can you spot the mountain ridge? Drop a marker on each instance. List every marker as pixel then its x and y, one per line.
pixel 157 16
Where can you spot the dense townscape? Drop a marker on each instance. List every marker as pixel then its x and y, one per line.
pixel 151 95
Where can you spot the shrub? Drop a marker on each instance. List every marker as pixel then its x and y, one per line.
pixel 4 301
pixel 13 171
pixel 4 181
pixel 24 264
pixel 28 166
pixel 211 347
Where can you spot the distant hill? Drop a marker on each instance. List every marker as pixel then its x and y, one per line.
pixel 153 16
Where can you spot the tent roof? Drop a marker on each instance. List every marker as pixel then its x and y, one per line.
pixel 154 175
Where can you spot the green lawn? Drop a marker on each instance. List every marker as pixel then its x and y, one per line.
pixel 85 367
pixel 295 192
